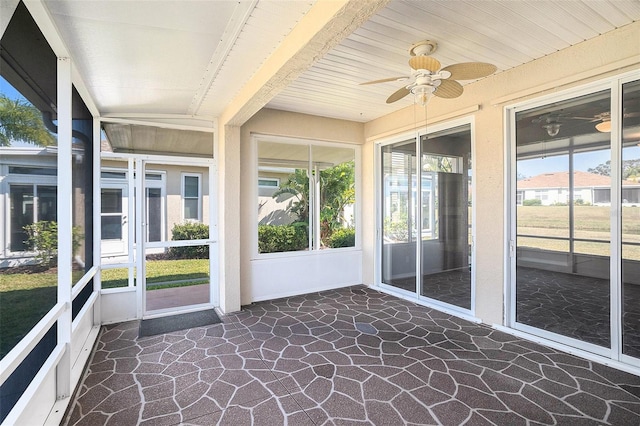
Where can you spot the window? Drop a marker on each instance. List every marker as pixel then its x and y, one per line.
pixel 191 197
pixel 268 183
pixel 306 196
pixel 29 204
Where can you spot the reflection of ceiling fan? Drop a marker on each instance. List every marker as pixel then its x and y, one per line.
pixel 604 120
pixel 427 78
pixel 552 121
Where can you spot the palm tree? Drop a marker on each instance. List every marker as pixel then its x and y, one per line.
pixel 21 121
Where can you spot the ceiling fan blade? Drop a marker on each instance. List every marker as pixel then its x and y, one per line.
pixel 398 94
pixel 449 89
pixel 424 63
pixel 384 80
pixel 470 70
pixel 584 118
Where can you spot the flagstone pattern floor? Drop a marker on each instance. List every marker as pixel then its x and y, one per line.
pixel 345 357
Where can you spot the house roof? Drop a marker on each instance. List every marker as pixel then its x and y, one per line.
pixel 561 180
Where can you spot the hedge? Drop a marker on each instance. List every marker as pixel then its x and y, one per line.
pixel 190 231
pixel 279 238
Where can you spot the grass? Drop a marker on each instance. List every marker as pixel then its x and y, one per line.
pixel 163 274
pixel 26 296
pixel 590 222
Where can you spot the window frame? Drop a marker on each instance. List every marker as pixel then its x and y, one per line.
pixel 25 180
pixel 312 250
pixel 183 197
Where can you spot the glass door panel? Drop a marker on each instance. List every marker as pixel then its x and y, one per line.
pixel 446 225
pixel 563 219
pixel 155 214
pixel 399 228
pixel 630 191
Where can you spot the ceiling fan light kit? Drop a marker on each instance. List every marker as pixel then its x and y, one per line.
pixel 429 79
pixel 604 126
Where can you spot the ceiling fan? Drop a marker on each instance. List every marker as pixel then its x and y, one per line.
pixel 428 78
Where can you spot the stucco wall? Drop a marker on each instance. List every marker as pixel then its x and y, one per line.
pixel 610 54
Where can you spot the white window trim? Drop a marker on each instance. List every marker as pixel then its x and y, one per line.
pixel 26 180
pixel 357 150
pixel 276 180
pixel 183 176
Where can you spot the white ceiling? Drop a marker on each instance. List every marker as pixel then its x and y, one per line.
pixel 193 57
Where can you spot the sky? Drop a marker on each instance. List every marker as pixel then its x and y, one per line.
pixel 8 90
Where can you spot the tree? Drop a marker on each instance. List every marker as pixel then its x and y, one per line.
pixel 629 168
pixel 601 169
pixel 297 185
pixel 337 190
pixel 21 121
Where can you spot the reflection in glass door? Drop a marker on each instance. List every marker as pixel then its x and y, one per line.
pixel 446 206
pixel 440 203
pixel 176 264
pixel 571 204
pixel 562 229
pixel 399 232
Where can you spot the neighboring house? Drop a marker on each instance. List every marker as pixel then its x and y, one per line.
pixel 273 211
pixel 28 194
pixel 589 188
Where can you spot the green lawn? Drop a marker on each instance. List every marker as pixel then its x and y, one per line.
pixel 163 274
pixel 591 222
pixel 26 297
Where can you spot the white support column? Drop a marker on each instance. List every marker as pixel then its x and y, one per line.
pixel 615 246
pixel 65 223
pixel 140 231
pixel 97 220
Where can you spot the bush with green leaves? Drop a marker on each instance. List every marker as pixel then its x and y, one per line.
pixel 42 238
pixel 344 237
pixel 279 238
pixel 532 202
pixel 190 231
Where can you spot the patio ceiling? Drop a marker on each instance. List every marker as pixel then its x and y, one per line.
pixel 188 59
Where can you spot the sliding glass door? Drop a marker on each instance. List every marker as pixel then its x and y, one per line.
pixel 629 183
pixel 576 222
pixel 426 218
pixel 563 230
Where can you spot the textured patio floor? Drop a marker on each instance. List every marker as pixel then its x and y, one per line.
pixel 345 357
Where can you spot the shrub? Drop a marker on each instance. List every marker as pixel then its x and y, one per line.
pixel 279 238
pixel 43 239
pixel 190 231
pixel 532 202
pixel 344 237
